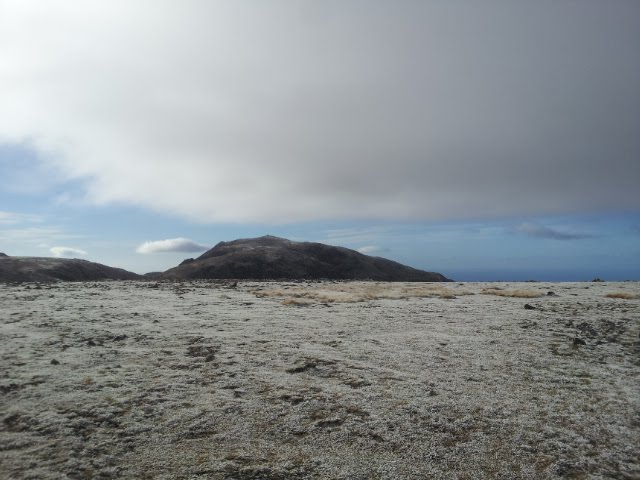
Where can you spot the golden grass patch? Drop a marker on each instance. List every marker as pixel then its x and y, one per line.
pixel 513 293
pixel 622 295
pixel 351 292
pixel 296 302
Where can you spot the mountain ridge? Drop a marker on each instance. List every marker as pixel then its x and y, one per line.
pixel 50 269
pixel 275 258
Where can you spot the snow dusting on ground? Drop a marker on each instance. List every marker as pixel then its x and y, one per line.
pixel 331 380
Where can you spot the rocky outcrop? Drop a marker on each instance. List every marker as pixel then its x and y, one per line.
pixel 271 257
pixel 45 269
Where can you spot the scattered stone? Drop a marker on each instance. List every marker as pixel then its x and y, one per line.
pixel 551 294
pixel 91 343
pixel 55 362
pixel 578 341
pixel 292 399
pixel 205 351
pixel 336 422
pixel 587 329
pixel 529 307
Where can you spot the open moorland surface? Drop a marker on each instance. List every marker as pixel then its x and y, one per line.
pixel 348 380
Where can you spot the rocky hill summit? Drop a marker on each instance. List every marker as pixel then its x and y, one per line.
pixel 270 257
pixel 47 269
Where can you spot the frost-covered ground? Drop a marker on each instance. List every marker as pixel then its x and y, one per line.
pixel 323 380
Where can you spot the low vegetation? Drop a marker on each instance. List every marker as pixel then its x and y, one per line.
pixel 622 295
pixel 353 292
pixel 513 293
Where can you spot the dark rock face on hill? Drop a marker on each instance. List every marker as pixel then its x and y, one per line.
pixel 278 258
pixel 46 269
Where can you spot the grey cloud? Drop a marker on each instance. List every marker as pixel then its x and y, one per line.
pixel 286 111
pixel 171 245
pixel 540 231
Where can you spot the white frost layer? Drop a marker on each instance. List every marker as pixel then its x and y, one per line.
pixel 365 380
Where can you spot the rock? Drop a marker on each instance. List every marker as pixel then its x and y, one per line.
pixel 529 307
pixel 551 294
pixel 205 351
pixel 578 341
pixel 55 362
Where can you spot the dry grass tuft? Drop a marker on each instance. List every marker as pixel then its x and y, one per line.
pixel 351 292
pixel 622 295
pixel 513 293
pixel 296 302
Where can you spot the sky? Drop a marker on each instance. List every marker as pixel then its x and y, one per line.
pixel 495 140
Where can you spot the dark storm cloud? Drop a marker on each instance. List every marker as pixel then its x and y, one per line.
pixel 283 111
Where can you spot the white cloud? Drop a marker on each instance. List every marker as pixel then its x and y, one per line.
pixel 171 245
pixel 11 218
pixel 67 252
pixel 278 112
pixel 369 249
pixel 37 235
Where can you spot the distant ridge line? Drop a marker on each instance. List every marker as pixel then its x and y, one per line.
pixel 275 258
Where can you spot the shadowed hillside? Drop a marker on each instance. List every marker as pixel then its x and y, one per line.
pixel 271 257
pixel 46 269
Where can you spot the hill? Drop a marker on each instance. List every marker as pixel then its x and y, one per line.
pixel 46 269
pixel 271 257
